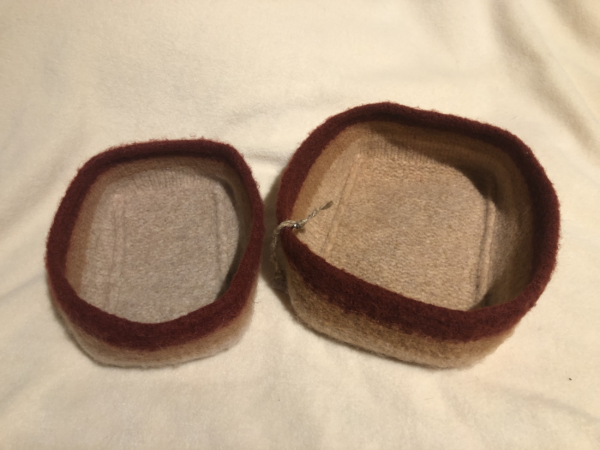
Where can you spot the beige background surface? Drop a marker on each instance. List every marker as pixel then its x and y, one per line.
pixel 79 77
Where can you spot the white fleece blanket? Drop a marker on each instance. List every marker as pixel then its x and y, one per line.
pixel 77 77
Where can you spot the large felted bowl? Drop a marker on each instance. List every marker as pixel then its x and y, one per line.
pixel 443 233
pixel 154 252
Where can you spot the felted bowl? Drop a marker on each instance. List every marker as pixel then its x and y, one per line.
pixel 443 233
pixel 154 252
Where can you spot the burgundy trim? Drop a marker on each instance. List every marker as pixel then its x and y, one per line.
pixel 152 336
pixel 410 316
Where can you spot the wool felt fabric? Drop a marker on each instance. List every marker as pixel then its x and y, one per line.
pixel 155 250
pixel 443 234
pixel 77 78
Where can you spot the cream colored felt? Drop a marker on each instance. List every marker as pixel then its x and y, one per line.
pixel 364 333
pixel 159 238
pixel 435 216
pixel 223 338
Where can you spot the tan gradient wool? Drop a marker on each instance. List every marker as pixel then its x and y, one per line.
pixel 429 217
pixel 360 331
pixel 222 339
pixel 163 253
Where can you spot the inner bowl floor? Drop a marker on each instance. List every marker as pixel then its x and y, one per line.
pixel 419 228
pixel 155 241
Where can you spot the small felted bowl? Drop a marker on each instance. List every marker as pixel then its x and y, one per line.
pixel 443 233
pixel 154 252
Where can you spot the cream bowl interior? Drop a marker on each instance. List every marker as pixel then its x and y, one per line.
pixel 435 216
pixel 157 238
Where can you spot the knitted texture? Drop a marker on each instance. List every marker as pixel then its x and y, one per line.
pixel 443 233
pixel 154 252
